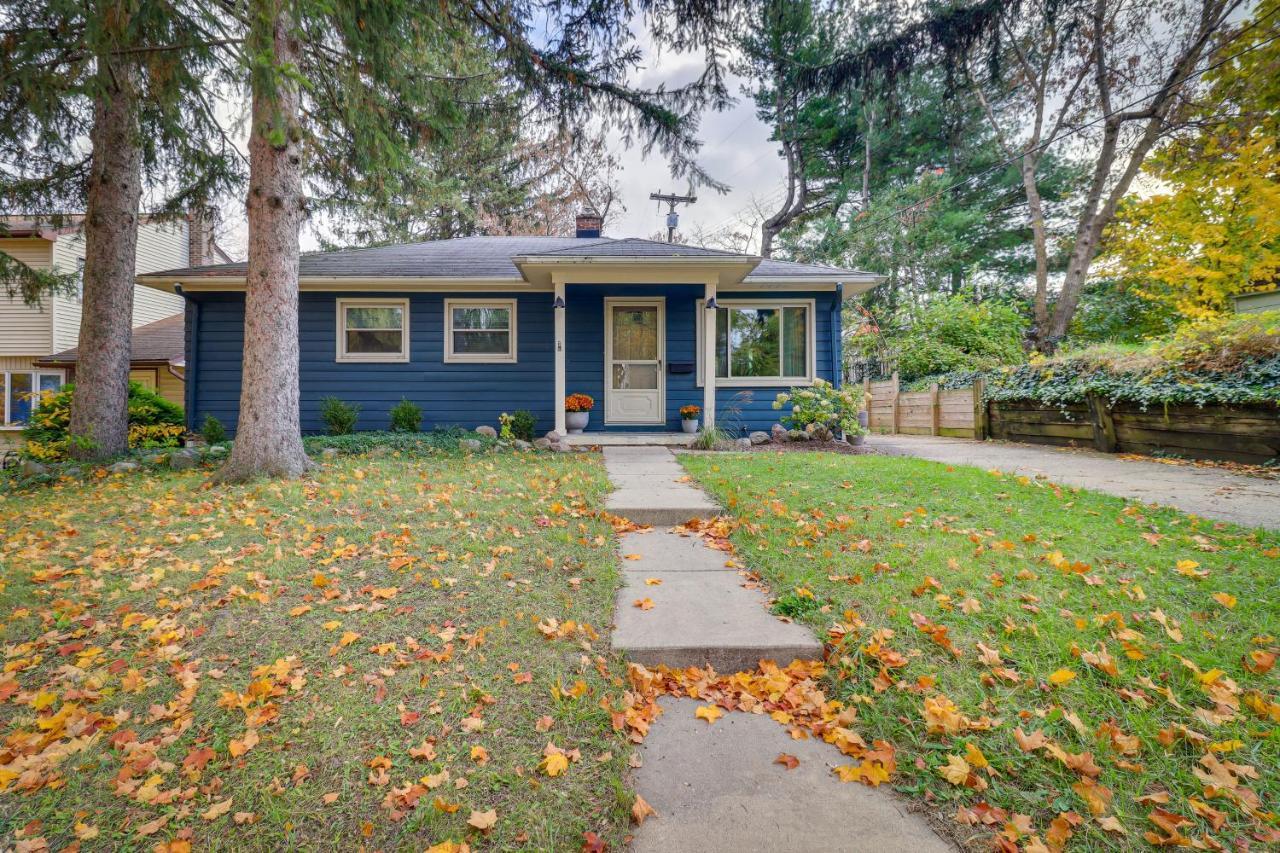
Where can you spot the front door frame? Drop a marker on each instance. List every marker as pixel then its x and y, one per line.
pixel 610 302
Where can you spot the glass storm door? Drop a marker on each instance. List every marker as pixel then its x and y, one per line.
pixel 634 349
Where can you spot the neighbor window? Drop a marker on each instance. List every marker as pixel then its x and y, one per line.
pixel 480 330
pixel 21 390
pixel 373 330
pixel 761 343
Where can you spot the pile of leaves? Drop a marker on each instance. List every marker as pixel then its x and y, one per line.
pixel 396 652
pixel 153 422
pixel 1234 359
pixel 1051 668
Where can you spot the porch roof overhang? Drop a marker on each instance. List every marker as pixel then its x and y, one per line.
pixel 724 270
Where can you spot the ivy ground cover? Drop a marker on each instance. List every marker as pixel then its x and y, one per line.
pixel 394 653
pixel 1053 668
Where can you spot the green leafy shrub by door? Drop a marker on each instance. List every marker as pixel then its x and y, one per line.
pixel 153 422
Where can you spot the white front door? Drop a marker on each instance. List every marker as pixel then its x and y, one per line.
pixel 634 348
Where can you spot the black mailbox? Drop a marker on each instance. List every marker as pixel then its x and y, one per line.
pixel 674 367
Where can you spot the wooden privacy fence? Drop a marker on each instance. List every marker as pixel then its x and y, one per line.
pixel 1235 433
pixel 958 412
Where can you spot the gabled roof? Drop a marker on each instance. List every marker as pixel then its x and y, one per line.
pixel 161 342
pixel 498 259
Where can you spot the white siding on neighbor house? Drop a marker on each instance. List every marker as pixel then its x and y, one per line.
pixel 161 246
pixel 68 253
pixel 26 330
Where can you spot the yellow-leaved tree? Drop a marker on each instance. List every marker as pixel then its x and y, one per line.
pixel 1211 228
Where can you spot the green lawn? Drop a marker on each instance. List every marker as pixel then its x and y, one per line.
pixel 374 656
pixel 1128 649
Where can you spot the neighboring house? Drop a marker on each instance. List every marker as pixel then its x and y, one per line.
pixel 473 327
pixel 1257 301
pixel 30 335
pixel 156 358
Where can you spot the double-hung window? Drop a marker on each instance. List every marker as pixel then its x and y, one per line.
pixel 480 330
pixel 373 330
pixel 21 390
pixel 760 342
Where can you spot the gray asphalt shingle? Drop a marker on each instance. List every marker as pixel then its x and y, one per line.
pixel 491 257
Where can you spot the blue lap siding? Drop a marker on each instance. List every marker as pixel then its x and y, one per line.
pixel 472 394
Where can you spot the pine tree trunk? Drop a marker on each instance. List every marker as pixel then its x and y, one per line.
pixel 99 405
pixel 268 440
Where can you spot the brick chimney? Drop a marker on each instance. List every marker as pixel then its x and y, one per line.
pixel 200 239
pixel 588 223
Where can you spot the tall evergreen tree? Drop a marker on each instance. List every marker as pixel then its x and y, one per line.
pixel 102 98
pixel 343 94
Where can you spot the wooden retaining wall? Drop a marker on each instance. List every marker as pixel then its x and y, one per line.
pixel 1232 433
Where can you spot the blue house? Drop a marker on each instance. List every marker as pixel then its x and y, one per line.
pixel 473 327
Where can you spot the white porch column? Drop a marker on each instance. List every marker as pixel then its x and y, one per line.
pixel 559 311
pixel 709 356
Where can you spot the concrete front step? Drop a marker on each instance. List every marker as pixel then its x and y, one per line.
pixel 651 488
pixel 717 789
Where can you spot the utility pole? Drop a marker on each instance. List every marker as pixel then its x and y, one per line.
pixel 673 218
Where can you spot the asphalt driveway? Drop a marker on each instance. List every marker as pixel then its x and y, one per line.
pixel 1200 490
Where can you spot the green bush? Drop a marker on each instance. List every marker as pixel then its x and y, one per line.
pixel 212 430
pixel 822 403
pixel 153 422
pixel 523 425
pixel 406 416
pixel 957 334
pixel 339 416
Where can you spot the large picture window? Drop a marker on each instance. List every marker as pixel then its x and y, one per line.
pixel 20 392
pixel 761 342
pixel 482 330
pixel 373 330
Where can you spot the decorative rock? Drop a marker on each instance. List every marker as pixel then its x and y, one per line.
pixel 329 453
pixel 32 468
pixel 470 445
pixel 797 435
pixel 124 466
pixel 743 444
pixel 561 447
pixel 182 461
pixel 485 429
pixel 778 432
pixel 220 450
pixel 553 436
pixel 73 472
pixel 758 437
pixel 520 444
pixel 542 444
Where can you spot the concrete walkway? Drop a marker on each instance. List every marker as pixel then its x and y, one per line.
pixel 1204 491
pixel 702 614
pixel 715 787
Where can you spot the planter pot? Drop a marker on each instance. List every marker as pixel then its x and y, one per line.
pixel 689 425
pixel 864 419
pixel 858 440
pixel 576 422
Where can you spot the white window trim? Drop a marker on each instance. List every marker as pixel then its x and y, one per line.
pixel 4 392
pixel 450 357
pixel 341 354
pixel 810 306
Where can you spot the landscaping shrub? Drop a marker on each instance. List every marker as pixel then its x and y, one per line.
pixel 153 422
pixel 212 430
pixel 824 404
pixel 406 416
pixel 523 425
pixel 339 416
pixel 1234 359
pixel 957 334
